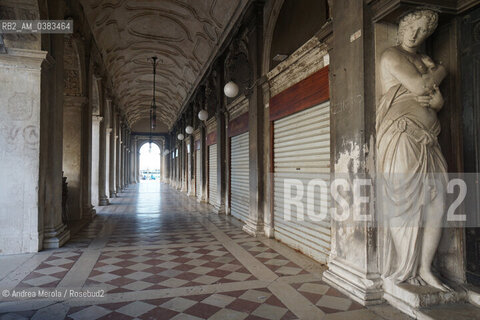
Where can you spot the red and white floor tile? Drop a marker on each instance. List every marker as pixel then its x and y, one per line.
pixel 157 254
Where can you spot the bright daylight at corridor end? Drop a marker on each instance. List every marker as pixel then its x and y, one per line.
pixel 240 159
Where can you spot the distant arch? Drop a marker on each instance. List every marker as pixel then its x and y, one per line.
pixel 150 164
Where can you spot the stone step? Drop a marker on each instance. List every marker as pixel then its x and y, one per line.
pixel 457 311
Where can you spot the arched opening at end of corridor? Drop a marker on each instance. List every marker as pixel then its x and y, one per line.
pixel 150 166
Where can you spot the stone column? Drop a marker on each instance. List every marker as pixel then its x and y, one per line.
pixel 107 162
pixel 191 168
pixel 204 155
pixel 184 169
pixel 255 223
pixel 352 265
pixel 20 79
pixel 221 160
pixel 133 158
pixel 72 153
pixel 95 159
pixel 53 231
pixel 118 146
pixel 102 169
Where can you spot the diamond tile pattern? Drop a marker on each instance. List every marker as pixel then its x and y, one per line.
pixel 279 264
pixel 245 304
pixel 328 299
pixel 51 271
pixel 134 270
pixel 159 239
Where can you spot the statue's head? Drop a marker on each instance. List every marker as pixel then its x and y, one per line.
pixel 416 26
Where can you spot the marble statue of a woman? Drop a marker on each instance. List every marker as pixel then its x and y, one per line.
pixel 408 154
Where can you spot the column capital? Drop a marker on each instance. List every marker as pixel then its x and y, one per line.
pixel 74 103
pixel 97 118
pixel 109 130
pixel 23 58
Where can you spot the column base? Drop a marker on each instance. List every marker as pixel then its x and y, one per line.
pixel 253 229
pixel 219 209
pixel 54 238
pixel 113 194
pixel 366 291
pixel 89 212
pixel 269 232
pixel 410 299
pixel 103 201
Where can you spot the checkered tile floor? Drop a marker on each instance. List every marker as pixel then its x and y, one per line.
pixel 273 260
pixel 159 254
pixel 246 304
pixel 122 271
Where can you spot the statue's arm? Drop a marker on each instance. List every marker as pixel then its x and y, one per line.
pixel 406 73
pixel 437 72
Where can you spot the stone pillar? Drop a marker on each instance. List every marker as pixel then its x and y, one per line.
pixel 108 162
pixel 72 153
pixel 191 168
pixel 204 155
pixel 118 157
pixel 53 232
pixel 133 160
pixel 20 79
pixel 102 169
pixel 221 160
pixel 95 159
pixel 353 266
pixel 184 169
pixel 255 223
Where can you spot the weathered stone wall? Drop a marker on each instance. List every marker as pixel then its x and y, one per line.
pixel 19 150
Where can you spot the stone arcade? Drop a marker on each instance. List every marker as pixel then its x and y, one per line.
pixel 260 107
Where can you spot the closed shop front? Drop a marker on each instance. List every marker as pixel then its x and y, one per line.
pixel 190 186
pixel 239 167
pixel 198 167
pixel 213 198
pixel 212 175
pixel 301 153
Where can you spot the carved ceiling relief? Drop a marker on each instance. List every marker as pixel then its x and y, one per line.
pixel 184 34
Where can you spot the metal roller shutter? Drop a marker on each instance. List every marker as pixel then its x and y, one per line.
pixel 240 187
pixel 212 175
pixel 302 151
pixel 189 170
pixel 198 173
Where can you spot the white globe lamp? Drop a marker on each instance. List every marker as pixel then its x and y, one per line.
pixel 203 115
pixel 180 136
pixel 189 129
pixel 231 89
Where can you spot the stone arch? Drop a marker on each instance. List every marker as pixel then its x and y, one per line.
pixel 280 12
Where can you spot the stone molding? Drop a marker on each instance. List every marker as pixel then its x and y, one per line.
pixel 23 58
pixel 238 107
pixel 307 60
pixel 211 125
pixel 72 103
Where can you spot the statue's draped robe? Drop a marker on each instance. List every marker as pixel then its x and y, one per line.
pixel 408 159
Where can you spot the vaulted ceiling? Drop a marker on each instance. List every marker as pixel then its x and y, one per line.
pixel 184 34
